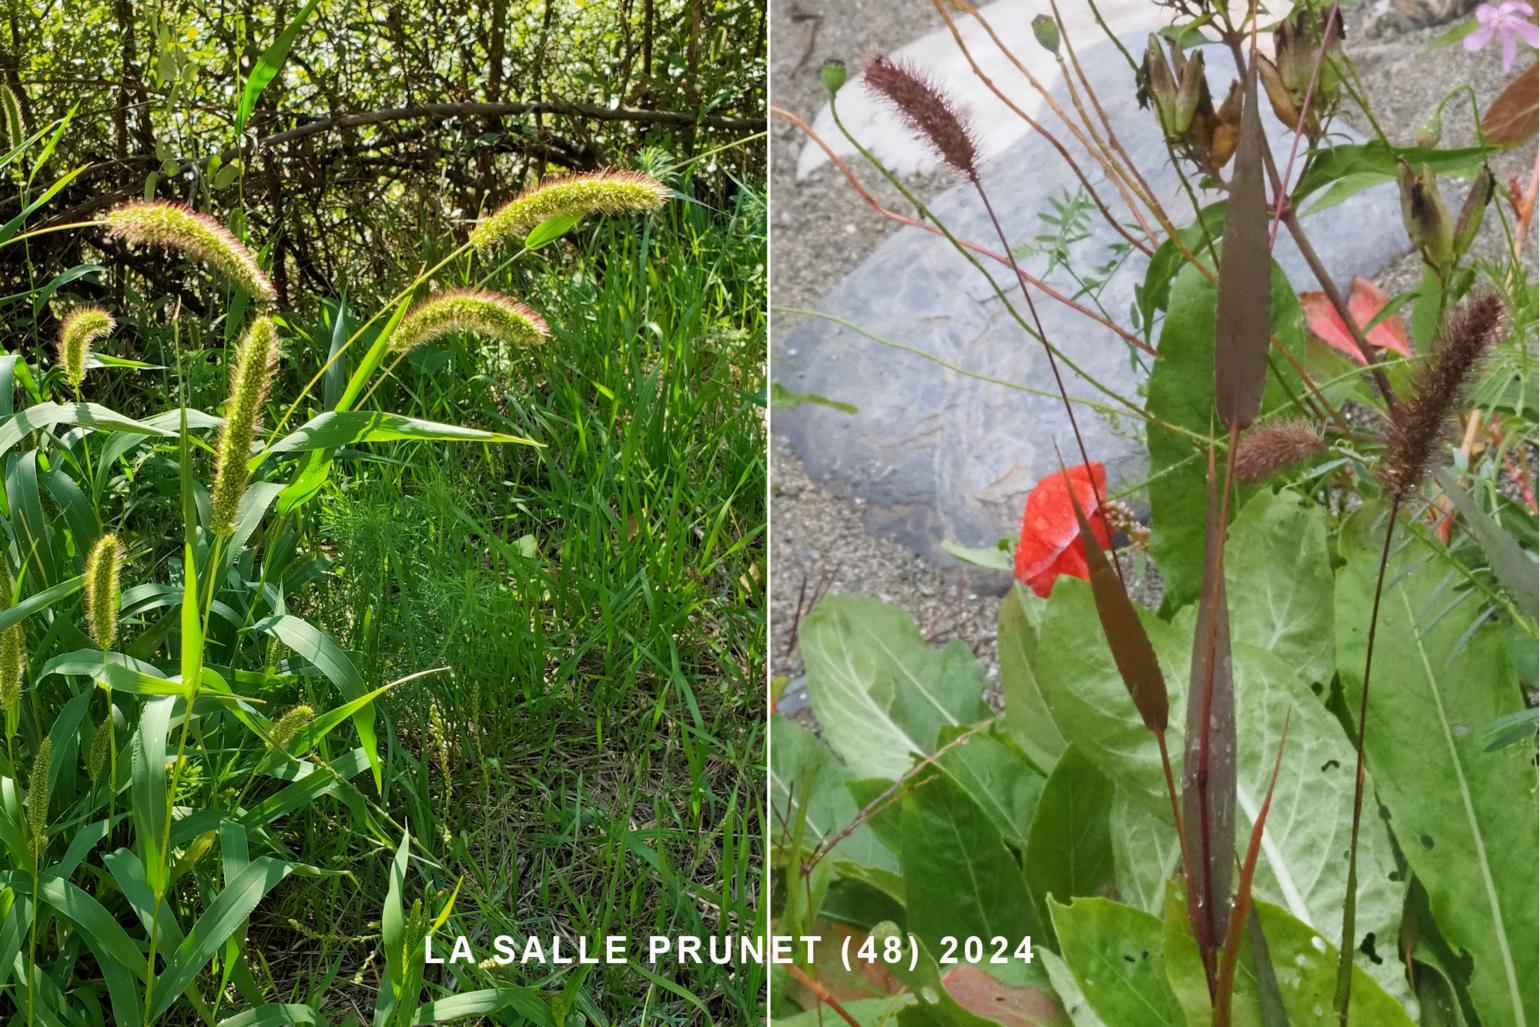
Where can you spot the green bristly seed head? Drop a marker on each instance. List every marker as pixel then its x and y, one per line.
pixel 37 795
pixel 481 313
pixel 97 759
pixel 10 113
pixel 290 724
pixel 104 567
pixel 251 376
pixel 600 192
pixel 175 227
pixel 13 656
pixel 81 329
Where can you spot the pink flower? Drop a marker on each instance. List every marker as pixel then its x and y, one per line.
pixel 1510 22
pixel 1365 301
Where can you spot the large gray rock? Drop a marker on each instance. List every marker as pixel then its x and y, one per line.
pixel 938 455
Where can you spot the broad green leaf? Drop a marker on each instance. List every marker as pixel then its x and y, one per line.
pixel 549 230
pixel 1181 392
pixel 309 643
pixel 393 933
pixel 267 66
pixel 1365 164
pixel 1001 781
pixel 868 1012
pixel 86 415
pixel 1026 714
pixel 38 601
pixel 1305 963
pixel 808 782
pixel 1300 864
pixel 348 427
pixel 1069 853
pixel 1070 993
pixel 148 768
pixel 1145 853
pixel 527 1002
pixel 1115 953
pixel 959 878
pixel 1465 816
pixel 881 695
pixel 223 917
pixel 1279 583
pixel 276 1014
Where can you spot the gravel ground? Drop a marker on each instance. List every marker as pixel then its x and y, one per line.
pixel 822 230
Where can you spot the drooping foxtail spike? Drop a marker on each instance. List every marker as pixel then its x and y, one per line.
pixel 10 113
pixel 81 329
pixel 1422 421
pixel 929 113
pixel 175 227
pixel 104 567
pixel 251 376
pixel 1276 446
pixel 289 725
pixel 597 192
pixel 479 312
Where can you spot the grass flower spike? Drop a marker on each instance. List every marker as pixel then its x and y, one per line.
pixel 104 566
pixel 175 227
pixel 289 725
pixel 13 659
pixel 37 796
pixel 929 113
pixel 251 376
pixel 479 312
pixel 10 113
pixel 599 192
pixel 81 329
pixel 1278 445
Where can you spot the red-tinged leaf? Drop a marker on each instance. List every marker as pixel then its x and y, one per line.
pixel 1241 330
pixel 1365 302
pixel 1208 765
pixel 1024 1006
pixel 862 980
pixel 1512 117
pixel 1242 909
pixel 1131 648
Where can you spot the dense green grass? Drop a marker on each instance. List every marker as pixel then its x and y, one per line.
pixel 595 607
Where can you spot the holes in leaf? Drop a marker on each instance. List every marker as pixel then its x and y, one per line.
pixel 1367 948
pixel 1460 729
pixel 1329 765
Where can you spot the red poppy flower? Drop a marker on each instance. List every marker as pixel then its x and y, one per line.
pixel 1050 536
pixel 1365 301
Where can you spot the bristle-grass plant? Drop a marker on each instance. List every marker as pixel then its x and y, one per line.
pixel 1032 823
pixel 194 650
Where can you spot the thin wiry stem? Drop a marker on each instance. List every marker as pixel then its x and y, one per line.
pixel 1350 902
pixel 983 251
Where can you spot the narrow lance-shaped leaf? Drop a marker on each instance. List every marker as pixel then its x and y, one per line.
pixel 1242 910
pixel 1131 648
pixel 1208 763
pixel 1245 273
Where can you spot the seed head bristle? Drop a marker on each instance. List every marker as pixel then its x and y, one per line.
pixel 81 329
pixel 38 786
pixel 1275 446
pixel 290 724
pixel 595 192
pixel 96 759
pixel 929 113
pixel 13 654
pixel 251 377
pixel 104 566
pixel 175 227
pixel 10 113
pixel 1421 422
pixel 476 311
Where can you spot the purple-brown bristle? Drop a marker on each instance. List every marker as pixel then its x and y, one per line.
pixel 929 112
pixel 1421 423
pixel 1278 445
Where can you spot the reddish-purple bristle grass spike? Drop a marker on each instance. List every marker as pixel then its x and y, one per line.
pixel 1422 421
pixel 929 113
pixel 1275 446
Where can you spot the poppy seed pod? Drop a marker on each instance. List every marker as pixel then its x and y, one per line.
pixel 81 329
pixel 598 192
pixel 172 226
pixel 251 376
pixel 478 312
pixel 1426 217
pixel 1471 212
pixel 104 566
pixel 1046 30
pixel 833 75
